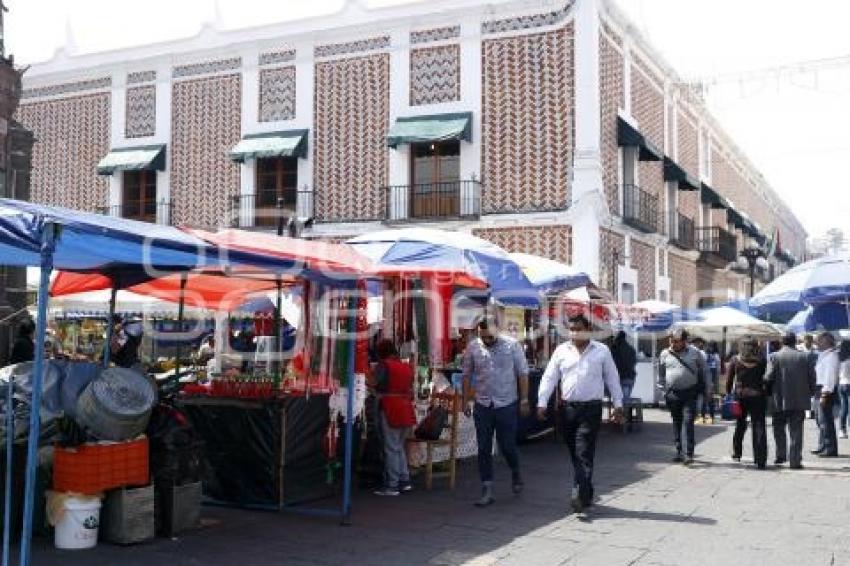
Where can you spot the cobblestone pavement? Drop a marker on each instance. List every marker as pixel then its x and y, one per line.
pixel 651 511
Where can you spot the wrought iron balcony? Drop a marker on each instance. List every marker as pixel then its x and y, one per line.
pixel 716 246
pixel 261 211
pixel 640 209
pixel 145 211
pixel 682 231
pixel 433 201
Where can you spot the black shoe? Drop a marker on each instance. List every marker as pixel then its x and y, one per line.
pixel 688 460
pixel 736 458
pixel 405 486
pixel 779 461
pixel 827 455
pixel 518 486
pixel 796 466
pixel 762 466
pixel 678 458
pixel 817 452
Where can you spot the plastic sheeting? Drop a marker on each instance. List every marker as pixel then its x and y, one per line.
pixel 249 447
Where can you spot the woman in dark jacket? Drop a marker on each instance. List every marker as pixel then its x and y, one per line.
pixel 745 380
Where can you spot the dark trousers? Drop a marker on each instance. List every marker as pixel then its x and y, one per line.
pixel 683 408
pixel 755 407
pixel 794 421
pixel 827 439
pixel 581 422
pixel 502 421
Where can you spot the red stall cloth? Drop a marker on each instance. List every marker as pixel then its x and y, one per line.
pixel 361 356
pixel 203 290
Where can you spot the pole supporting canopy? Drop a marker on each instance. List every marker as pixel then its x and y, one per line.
pixel 432 128
pixel 140 158
pixel 287 143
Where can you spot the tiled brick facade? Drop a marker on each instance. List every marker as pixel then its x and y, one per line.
pixel 527 120
pixel 351 122
pixel 277 94
pixel 609 243
pixel 688 158
pixel 206 124
pixel 140 113
pixel 612 93
pixel 553 242
pixel 683 280
pixel 662 263
pixel 434 75
pixel 643 260
pixel 72 135
pixel 648 105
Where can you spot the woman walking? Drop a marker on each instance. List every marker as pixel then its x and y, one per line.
pixel 393 380
pixel 745 380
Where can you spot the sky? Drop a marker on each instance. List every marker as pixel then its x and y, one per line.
pixel 793 126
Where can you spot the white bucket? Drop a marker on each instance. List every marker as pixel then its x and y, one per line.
pixel 79 524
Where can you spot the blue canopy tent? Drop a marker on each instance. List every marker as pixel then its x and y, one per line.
pixel 823 280
pixel 51 237
pixel 828 316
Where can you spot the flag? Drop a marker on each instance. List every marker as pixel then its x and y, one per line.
pixel 775 246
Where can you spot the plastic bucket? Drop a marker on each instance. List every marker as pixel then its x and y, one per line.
pixel 78 527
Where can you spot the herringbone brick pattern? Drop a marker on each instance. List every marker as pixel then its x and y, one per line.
pixel 140 113
pixel 351 123
pixel 527 121
pixel 206 123
pixel 688 158
pixel 277 94
pixel 434 75
pixel 643 260
pixel 612 97
pixel 71 136
pixel 609 243
pixel 553 242
pixel 683 280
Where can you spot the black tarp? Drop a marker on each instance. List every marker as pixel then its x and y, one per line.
pixel 250 447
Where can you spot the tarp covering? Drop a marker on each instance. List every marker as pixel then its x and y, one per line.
pixel 730 322
pixel 823 280
pixel 289 143
pixel 95 242
pixel 433 128
pixel 548 275
pixel 249 446
pixel 149 157
pixel 418 248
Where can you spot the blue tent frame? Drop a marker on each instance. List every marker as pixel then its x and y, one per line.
pixel 47 237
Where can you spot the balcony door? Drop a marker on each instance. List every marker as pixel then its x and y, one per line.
pixel 435 175
pixel 277 181
pixel 138 200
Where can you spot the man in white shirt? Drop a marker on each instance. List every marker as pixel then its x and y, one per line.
pixel 583 367
pixel 827 380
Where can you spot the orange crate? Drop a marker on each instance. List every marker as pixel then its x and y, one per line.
pixel 94 468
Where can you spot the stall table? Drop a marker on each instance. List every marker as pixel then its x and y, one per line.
pixel 262 452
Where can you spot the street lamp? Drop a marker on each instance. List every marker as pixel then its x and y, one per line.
pixel 751 257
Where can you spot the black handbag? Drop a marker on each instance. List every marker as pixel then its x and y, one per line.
pixel 431 427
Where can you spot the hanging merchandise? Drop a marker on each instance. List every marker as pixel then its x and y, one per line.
pixel 420 314
pixel 361 355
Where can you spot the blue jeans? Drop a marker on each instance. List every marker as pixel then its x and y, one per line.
pixel 502 421
pixel 844 394
pixel 395 459
pixel 627 387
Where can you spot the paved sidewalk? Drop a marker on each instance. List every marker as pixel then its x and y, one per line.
pixel 651 512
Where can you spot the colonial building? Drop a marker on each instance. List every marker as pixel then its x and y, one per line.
pixel 546 126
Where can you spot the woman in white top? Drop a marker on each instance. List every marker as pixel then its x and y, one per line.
pixel 844 385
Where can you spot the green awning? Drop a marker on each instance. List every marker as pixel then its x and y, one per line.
pixel 433 128
pixel 289 143
pixel 148 157
pixel 711 197
pixel 629 136
pixel 674 172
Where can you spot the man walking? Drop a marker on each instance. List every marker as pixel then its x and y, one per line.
pixel 791 380
pixel 827 381
pixel 681 375
pixel 625 358
pixel 500 368
pixel 583 367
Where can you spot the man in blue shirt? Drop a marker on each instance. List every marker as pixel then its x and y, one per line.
pixel 501 383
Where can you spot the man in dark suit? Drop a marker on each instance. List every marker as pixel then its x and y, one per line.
pixel 791 379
